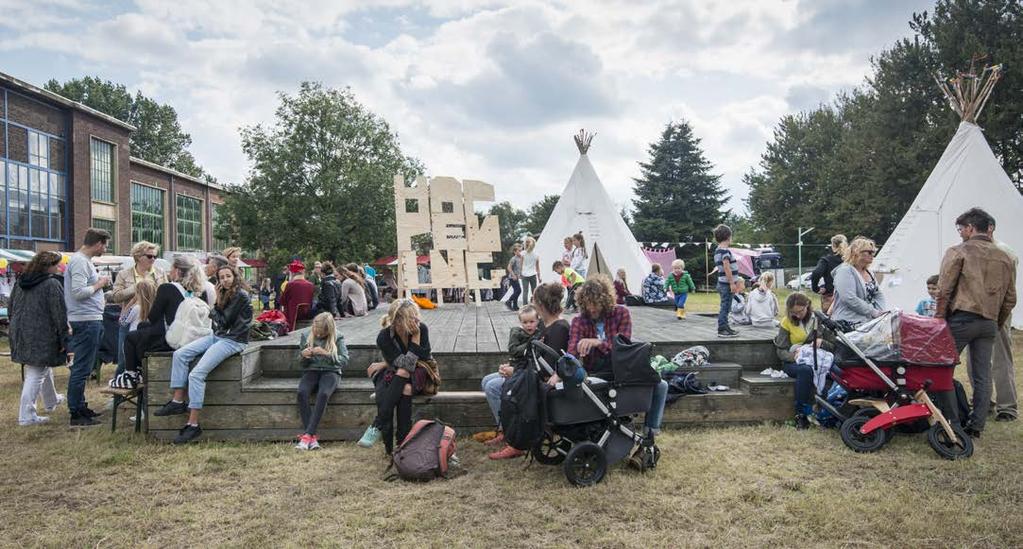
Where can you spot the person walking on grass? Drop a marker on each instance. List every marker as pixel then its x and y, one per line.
pixel 976 294
pixel 728 278
pixel 403 341
pixel 232 318
pixel 323 355
pixel 39 333
pixel 83 296
pixel 679 284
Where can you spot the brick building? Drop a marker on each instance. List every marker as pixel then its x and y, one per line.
pixel 65 167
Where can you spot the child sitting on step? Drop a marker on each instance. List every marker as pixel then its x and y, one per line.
pixel 323 354
pixel 762 304
pixel 679 284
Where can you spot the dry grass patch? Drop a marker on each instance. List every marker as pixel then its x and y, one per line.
pixel 742 486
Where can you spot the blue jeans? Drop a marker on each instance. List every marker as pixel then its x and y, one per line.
pixel 84 343
pixel 680 300
pixel 122 335
pixel 214 350
pixel 803 374
pixel 655 414
pixel 492 384
pixel 725 291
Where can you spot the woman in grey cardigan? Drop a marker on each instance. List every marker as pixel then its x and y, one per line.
pixel 858 296
pixel 39 332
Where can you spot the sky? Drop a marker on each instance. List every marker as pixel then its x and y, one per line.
pixel 475 89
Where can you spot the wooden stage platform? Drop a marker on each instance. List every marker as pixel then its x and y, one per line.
pixel 253 396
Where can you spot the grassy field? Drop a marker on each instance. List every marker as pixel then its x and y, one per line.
pixel 765 485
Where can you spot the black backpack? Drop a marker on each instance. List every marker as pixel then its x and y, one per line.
pixel 522 409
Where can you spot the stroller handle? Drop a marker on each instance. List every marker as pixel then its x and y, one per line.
pixel 826 321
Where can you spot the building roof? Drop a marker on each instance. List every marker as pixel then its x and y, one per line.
pixel 63 101
pixel 175 173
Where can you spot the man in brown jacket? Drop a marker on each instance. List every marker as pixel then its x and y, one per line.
pixel 976 294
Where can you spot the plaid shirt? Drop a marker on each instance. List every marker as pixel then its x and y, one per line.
pixel 619 321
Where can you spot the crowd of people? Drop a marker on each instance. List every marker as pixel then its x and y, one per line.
pixel 203 315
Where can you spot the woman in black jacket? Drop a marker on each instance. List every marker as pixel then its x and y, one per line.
pixel 232 318
pixel 330 291
pixel 404 341
pixel 186 279
pixel 39 332
pixel 821 280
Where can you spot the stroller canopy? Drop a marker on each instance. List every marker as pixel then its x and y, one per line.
pixel 903 338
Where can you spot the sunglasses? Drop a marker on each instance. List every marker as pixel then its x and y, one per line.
pixel 869 252
pixel 149 256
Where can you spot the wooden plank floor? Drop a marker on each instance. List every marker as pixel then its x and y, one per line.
pixel 457 328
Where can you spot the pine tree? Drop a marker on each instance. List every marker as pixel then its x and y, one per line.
pixel 677 197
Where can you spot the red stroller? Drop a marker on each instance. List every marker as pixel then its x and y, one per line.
pixel 920 355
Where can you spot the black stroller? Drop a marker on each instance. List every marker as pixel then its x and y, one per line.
pixel 590 424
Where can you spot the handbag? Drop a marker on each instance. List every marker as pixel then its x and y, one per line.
pixel 631 362
pixel 426 378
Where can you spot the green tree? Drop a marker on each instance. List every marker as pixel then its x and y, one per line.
pixel 158 136
pixel 512 222
pixel 538 214
pixel 321 181
pixel 677 196
pixel 867 156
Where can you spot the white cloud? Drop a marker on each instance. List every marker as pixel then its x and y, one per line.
pixel 477 88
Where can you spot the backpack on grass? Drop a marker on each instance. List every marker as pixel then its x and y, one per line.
pixel 426 453
pixel 522 409
pixel 191 321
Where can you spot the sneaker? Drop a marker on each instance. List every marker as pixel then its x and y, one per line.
pixel 171 409
pixel 506 453
pixel 79 420
pixel 496 441
pixel 733 332
pixel 34 421
pixel 727 332
pixel 314 443
pixel 802 423
pixel 1005 416
pixel 60 400
pixel 187 434
pixel 370 437
pixel 90 413
pixel 303 442
pixel 131 417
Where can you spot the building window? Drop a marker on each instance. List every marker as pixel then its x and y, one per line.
pixel 110 227
pixel 146 214
pixel 38 149
pixel 102 171
pixel 219 244
pixel 189 223
pixel 35 203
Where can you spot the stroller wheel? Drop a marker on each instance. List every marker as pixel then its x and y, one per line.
pixel 859 442
pixel 586 464
pixel 943 445
pixel 549 450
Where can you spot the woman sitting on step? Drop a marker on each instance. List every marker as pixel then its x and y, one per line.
pixel 796 330
pixel 403 341
pixel 547 302
pixel 232 318
pixel 323 354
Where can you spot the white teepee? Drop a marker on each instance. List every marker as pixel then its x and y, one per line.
pixel 585 207
pixel 967 175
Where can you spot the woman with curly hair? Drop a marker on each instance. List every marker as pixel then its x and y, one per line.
pixel 592 335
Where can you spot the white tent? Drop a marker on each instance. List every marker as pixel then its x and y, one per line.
pixel 585 207
pixel 967 175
